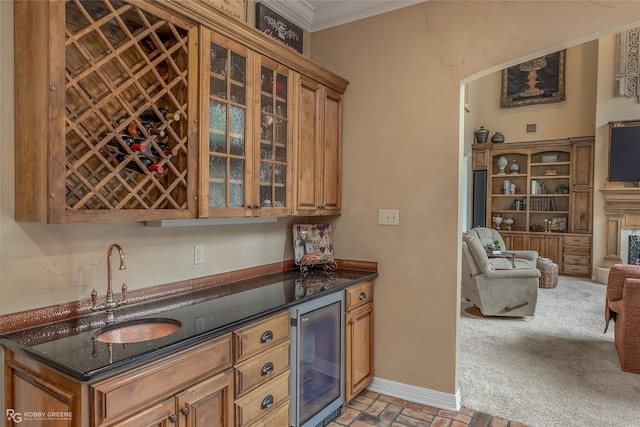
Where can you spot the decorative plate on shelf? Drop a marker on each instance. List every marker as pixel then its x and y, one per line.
pixel 558 224
pixel 313 245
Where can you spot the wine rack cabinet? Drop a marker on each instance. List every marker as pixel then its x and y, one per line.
pixel 87 74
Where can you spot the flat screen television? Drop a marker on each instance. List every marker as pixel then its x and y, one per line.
pixel 624 155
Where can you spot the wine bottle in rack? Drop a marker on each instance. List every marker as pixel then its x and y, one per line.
pixel 146 161
pixel 132 129
pixel 133 143
pixel 165 116
pixel 165 150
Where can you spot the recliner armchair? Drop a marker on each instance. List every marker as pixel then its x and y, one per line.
pixel 495 286
pixel 623 306
pixel 488 236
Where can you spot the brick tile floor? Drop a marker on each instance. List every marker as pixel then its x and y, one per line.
pixel 370 409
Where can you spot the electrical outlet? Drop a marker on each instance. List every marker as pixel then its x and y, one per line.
pixel 199 324
pixel 198 254
pixel 389 217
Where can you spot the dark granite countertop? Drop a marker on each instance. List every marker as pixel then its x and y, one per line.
pixel 69 347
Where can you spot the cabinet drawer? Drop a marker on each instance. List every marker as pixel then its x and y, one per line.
pixel 576 260
pixel 576 269
pixel 260 336
pixel 261 368
pixel 577 240
pixel 577 250
pixel 136 388
pixel 263 400
pixel 277 417
pixel 358 295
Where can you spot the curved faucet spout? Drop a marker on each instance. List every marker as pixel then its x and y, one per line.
pixel 122 265
pixel 110 303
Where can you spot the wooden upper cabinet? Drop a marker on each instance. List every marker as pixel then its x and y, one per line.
pixel 92 84
pixel 140 111
pixel 583 165
pixel 318 149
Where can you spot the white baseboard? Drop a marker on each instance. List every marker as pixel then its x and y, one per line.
pixel 420 395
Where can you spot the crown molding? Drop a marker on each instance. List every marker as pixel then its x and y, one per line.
pixel 317 15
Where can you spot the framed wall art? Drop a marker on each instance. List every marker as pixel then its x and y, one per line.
pixel 537 81
pixel 234 8
pixel 274 25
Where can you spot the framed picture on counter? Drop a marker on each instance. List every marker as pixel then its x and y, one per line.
pixel 313 246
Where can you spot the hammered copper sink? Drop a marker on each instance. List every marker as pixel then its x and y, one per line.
pixel 137 330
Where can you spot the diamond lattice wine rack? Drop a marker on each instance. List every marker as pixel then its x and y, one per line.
pixel 127 145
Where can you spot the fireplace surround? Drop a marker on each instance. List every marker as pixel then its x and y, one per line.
pixel 622 212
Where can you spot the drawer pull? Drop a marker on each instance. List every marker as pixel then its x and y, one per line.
pixel 185 411
pixel 267 369
pixel 173 418
pixel 363 296
pixel 266 337
pixel 267 402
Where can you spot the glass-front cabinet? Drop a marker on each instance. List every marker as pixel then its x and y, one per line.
pixel 272 94
pixel 246 132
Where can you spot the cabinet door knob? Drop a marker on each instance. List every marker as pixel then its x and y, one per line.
pixel 266 337
pixel 267 369
pixel 267 402
pixel 185 410
pixel 173 418
pixel 363 296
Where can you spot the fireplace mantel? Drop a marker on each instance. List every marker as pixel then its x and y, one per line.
pixel 621 211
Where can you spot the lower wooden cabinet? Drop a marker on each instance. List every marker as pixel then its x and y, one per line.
pixel 547 246
pixel 262 372
pixel 358 338
pixel 206 404
pixel 193 387
pixel 571 251
pixel 576 257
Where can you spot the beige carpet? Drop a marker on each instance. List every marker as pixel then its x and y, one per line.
pixel 556 368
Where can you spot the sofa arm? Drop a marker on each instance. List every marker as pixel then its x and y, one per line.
pixel 513 273
pixel 617 276
pixel 528 255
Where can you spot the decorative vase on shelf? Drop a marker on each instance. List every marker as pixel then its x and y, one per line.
pixel 508 222
pixel 502 163
pixel 481 135
pixel 515 168
pixel 497 138
pixel 497 220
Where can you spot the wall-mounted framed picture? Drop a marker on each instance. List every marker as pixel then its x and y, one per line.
pixel 276 26
pixel 538 81
pixel 234 8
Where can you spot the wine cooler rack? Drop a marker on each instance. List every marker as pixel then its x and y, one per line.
pixel 122 62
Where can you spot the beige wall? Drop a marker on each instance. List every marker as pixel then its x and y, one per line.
pixel 403 145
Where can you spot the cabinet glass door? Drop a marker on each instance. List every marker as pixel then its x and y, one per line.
pixel 274 128
pixel 228 140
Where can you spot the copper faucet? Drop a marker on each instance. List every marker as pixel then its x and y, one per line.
pixel 110 303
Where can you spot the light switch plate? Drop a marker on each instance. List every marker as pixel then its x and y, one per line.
pixel 198 254
pixel 388 217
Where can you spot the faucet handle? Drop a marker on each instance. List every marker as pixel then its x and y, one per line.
pixel 94 300
pixel 124 295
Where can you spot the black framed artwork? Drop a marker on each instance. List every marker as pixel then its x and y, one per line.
pixel 278 27
pixel 537 81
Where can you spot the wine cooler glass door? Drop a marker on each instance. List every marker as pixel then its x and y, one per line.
pixel 318 362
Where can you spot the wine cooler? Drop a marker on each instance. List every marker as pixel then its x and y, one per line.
pixel 317 360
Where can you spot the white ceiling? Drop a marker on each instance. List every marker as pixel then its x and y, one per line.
pixel 316 15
